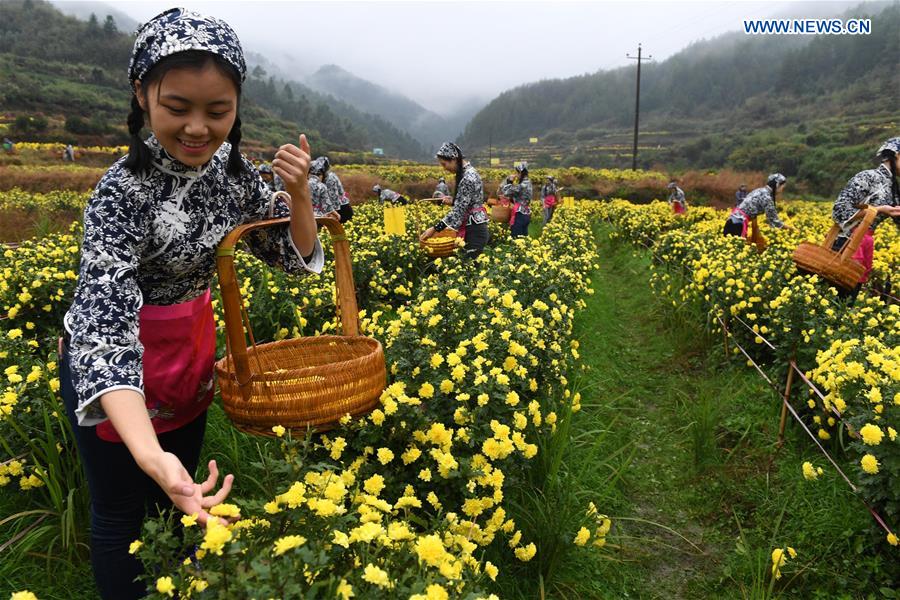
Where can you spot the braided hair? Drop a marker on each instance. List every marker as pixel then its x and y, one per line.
pixel 459 170
pixel 889 156
pixel 773 184
pixel 773 187
pixel 139 157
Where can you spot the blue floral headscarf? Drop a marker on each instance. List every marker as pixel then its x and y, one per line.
pixel 449 151
pixel 892 144
pixel 180 30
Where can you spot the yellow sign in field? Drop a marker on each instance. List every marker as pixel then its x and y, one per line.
pixel 495 162
pixel 568 201
pixel 533 140
pixel 395 220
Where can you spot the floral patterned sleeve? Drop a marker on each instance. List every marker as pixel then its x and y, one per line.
pixel 332 199
pixel 849 200
pixel 872 188
pixel 334 185
pixel 274 245
pixel 772 214
pixel 322 200
pixel 104 349
pixel 469 195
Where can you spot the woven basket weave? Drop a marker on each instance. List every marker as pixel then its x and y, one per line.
pixel 441 244
pixel 302 383
pixel 501 213
pixel 838 267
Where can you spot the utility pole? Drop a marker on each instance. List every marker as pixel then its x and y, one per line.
pixel 637 103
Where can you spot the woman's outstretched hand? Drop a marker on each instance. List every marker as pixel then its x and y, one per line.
pixel 189 497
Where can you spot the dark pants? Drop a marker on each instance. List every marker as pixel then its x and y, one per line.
pixel 477 237
pixel 122 495
pixel 733 227
pixel 548 213
pixel 346 212
pixel 520 225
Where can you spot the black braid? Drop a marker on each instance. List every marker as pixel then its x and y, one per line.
pixel 235 160
pixel 459 170
pixel 895 186
pixel 773 185
pixel 522 175
pixel 139 157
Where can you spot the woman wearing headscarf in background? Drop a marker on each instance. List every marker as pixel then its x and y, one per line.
pixel 272 180
pixel 548 196
pixel 386 195
pixel 740 194
pixel 759 201
pixel 676 198
pixel 877 188
pixel 337 197
pixel 521 194
pixel 467 215
pixel 324 205
pixel 441 189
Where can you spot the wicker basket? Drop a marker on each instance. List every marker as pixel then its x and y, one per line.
pixel 441 244
pixel 302 383
pixel 501 213
pixel 837 267
pixel 756 237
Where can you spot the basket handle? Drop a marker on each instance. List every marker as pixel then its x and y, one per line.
pixel 866 216
pixel 348 311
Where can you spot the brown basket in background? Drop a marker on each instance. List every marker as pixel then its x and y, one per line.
pixel 500 213
pixel 441 244
pixel 838 267
pixel 302 383
pixel 756 237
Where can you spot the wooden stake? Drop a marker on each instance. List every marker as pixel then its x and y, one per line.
pixel 784 405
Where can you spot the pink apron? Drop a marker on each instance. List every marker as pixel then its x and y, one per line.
pixel 515 211
pixel 746 220
pixel 550 201
pixel 865 254
pixel 179 355
pixel 679 208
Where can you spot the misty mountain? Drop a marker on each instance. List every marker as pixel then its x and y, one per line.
pixel 805 105
pixel 424 125
pixel 71 70
pixel 84 10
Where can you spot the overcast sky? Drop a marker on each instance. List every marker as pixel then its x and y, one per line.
pixel 441 53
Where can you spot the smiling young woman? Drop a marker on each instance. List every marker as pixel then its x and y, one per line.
pixel 136 362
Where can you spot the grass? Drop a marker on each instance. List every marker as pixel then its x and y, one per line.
pixel 677 444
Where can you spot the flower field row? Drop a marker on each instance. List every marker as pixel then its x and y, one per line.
pixel 398 174
pixel 851 351
pixel 407 502
pixel 58 147
pixel 35 201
